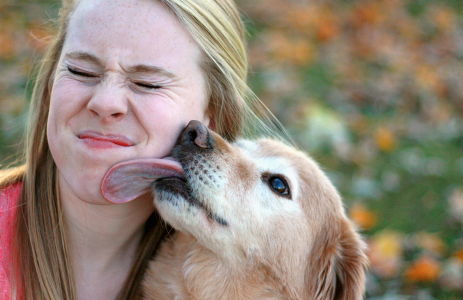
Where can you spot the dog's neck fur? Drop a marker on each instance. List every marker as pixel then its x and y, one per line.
pixel 184 267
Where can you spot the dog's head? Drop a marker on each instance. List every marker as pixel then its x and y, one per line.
pixel 256 203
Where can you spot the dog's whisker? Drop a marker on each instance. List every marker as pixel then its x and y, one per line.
pixel 172 239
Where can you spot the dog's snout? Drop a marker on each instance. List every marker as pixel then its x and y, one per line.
pixel 196 134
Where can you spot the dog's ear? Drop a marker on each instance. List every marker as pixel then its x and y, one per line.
pixel 337 264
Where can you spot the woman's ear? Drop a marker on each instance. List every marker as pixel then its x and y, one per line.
pixel 337 264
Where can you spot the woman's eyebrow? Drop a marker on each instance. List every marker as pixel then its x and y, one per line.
pixel 150 70
pixel 78 55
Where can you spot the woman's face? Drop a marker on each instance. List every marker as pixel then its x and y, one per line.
pixel 127 82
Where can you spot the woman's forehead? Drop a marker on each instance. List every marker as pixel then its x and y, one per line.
pixel 130 13
pixel 140 29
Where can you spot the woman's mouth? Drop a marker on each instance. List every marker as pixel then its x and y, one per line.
pixel 100 141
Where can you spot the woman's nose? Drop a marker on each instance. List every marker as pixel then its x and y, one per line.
pixel 109 103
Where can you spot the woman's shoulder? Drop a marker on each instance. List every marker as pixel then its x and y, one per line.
pixel 10 188
pixel 9 196
pixel 10 176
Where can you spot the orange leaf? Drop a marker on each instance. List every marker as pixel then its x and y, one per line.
pixel 424 269
pixel 6 45
pixel 327 30
pixel 459 255
pixel 385 140
pixel 364 217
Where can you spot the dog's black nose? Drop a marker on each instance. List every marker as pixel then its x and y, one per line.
pixel 195 134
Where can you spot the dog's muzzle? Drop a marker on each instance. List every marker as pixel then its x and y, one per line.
pixel 196 134
pixel 194 147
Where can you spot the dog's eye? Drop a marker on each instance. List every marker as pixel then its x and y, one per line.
pixel 278 184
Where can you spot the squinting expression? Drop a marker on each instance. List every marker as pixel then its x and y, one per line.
pixel 127 82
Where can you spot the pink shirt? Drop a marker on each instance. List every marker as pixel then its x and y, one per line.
pixel 8 203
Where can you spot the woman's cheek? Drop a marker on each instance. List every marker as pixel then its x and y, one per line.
pixel 162 124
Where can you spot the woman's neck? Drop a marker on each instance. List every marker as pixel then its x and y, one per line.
pixel 103 241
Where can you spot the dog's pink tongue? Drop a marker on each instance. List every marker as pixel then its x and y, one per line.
pixel 127 180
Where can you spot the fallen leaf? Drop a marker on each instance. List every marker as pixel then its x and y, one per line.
pixel 364 217
pixel 424 269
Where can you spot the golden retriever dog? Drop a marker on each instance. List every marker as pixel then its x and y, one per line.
pixel 253 219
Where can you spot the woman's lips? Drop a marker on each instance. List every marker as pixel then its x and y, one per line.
pixel 98 140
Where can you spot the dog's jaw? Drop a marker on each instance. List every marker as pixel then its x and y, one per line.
pixel 175 191
pixel 189 206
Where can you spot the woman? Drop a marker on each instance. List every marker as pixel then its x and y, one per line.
pixel 120 81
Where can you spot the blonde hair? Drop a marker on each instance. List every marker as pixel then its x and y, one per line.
pixel 39 226
pixel 218 30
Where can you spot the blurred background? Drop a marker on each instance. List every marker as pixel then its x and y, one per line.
pixel 373 90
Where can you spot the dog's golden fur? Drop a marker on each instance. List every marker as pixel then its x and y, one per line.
pixel 248 242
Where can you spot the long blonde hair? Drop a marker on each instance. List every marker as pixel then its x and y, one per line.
pixel 41 266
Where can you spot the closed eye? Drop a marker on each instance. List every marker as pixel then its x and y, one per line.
pixel 80 73
pixel 148 86
pixel 278 184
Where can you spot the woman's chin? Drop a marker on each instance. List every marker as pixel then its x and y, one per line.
pixel 81 187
